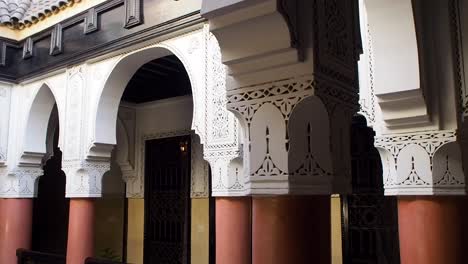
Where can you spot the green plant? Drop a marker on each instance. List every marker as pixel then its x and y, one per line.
pixel 110 254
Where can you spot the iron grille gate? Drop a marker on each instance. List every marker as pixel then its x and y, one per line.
pixel 167 201
pixel 370 219
pixel 371 230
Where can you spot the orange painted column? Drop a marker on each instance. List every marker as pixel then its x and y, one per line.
pixel 15 227
pixel 291 230
pixel 80 230
pixel 233 230
pixel 430 230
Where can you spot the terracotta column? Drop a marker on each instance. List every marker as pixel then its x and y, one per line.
pixel 233 230
pixel 430 230
pixel 80 230
pixel 291 230
pixel 15 227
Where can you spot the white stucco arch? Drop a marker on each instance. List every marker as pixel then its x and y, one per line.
pixel 116 82
pixel 35 130
pixel 31 131
pixel 93 104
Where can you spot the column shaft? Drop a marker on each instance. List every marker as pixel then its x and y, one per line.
pixel 80 231
pixel 291 230
pixel 430 229
pixel 15 228
pixel 233 230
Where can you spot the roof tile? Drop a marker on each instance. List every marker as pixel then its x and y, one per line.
pixel 18 13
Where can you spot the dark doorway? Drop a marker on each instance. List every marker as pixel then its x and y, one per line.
pixel 50 213
pixel 167 201
pixel 370 219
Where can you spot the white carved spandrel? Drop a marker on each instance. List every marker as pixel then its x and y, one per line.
pixel 84 174
pixel 5 98
pixel 73 115
pixel 189 48
pixel 222 148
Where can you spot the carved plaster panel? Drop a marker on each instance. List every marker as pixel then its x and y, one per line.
pixel 423 163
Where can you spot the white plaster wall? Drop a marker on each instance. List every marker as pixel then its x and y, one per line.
pixel 164 115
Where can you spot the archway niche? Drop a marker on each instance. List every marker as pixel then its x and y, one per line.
pixel 41 152
pixel 147 104
pixel 51 207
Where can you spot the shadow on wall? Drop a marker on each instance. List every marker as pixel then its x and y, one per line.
pixel 110 217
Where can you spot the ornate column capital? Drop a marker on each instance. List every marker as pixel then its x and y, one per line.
pixel 422 163
pixel 21 182
pixel 296 136
pixel 84 177
pixel 293 88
